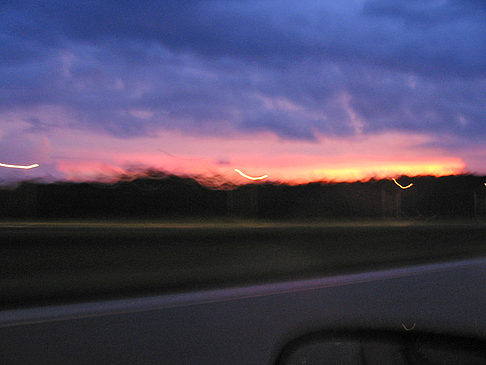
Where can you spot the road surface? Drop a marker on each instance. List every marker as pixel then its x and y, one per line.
pixel 60 262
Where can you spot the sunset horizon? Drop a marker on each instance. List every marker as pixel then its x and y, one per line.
pixel 331 91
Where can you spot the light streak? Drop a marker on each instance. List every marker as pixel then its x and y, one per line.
pixel 401 186
pixel 250 177
pixel 409 329
pixel 484 184
pixel 25 167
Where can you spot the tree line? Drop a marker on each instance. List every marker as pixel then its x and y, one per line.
pixel 168 196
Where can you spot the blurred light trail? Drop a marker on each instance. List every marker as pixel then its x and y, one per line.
pixel 409 329
pixel 25 167
pixel 401 186
pixel 249 177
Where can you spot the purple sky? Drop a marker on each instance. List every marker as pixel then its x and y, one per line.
pixel 318 89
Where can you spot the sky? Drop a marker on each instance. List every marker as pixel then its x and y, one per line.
pixel 300 91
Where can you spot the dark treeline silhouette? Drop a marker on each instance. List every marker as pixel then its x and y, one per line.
pixel 462 196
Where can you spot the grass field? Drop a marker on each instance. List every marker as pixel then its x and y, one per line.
pixel 62 261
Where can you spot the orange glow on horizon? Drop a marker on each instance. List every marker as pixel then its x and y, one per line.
pixel 368 170
pixel 250 177
pixel 25 167
pixel 401 186
pixel 219 175
pixel 381 156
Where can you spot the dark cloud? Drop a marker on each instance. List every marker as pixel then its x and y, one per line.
pixel 426 13
pixel 400 34
pixel 222 67
pixel 38 126
pixel 223 162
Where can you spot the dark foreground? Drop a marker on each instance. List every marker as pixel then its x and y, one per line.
pixel 44 263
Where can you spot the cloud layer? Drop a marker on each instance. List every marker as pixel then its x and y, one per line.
pixel 301 71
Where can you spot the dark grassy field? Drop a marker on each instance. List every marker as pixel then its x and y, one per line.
pixel 63 261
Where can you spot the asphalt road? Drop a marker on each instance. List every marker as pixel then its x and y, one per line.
pixel 254 324
pixel 60 262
